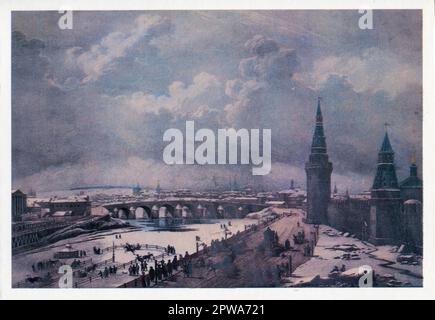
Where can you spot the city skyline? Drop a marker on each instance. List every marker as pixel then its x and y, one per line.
pixel 107 91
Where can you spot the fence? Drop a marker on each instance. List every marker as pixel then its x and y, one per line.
pixel 52 283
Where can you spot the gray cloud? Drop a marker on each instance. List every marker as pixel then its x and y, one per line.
pixel 91 107
pixel 260 45
pixel 353 118
pixel 269 63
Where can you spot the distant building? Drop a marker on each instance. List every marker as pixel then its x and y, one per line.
pixel 67 253
pixel 385 198
pixel 31 193
pixel 412 187
pixel 233 185
pixel 29 233
pixel 293 198
pixel 276 204
pixel 136 190
pixel 390 213
pixel 19 204
pixel 158 189
pixel 69 207
pixel 412 222
pixel 318 170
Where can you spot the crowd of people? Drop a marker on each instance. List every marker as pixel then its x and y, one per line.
pixel 224 226
pixel 188 269
pixel 170 249
pixel 153 270
pixel 134 269
pixel 106 272
pixel 162 270
pixel 76 263
pixel 97 250
pixel 218 245
pixel 336 269
pixel 44 265
pixel 251 227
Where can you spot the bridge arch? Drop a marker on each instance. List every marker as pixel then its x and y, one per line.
pixel 114 212
pixel 155 212
pixel 230 211
pixel 178 211
pixel 132 213
pixel 242 211
pixel 220 212
pixel 166 211
pixel 187 211
pixel 143 212
pixel 124 213
pixel 210 211
pixel 182 210
pixel 198 210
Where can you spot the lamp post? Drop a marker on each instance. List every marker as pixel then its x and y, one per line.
pixel 113 251
pixel 197 241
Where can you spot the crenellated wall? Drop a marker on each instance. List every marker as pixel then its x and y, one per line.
pixel 353 215
pixel 350 215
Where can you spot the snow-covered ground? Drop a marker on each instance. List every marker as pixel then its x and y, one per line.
pixel 182 238
pixel 333 245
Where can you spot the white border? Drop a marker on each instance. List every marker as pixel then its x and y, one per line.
pixel 428 290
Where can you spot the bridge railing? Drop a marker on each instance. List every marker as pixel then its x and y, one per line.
pixel 142 247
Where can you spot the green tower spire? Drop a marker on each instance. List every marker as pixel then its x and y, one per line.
pixel 319 142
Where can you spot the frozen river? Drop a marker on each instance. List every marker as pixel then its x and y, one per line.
pixel 163 232
pixel 182 234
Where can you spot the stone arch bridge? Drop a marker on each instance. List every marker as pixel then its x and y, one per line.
pixel 183 208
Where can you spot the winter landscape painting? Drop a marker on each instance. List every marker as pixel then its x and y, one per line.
pixel 216 149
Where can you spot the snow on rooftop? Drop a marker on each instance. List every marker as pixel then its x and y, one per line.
pixel 67 200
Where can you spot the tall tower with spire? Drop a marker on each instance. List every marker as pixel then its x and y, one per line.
pixel 318 170
pixel 386 171
pixel 385 198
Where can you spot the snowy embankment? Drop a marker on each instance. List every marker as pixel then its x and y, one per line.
pixel 266 212
pixel 87 226
pixel 339 260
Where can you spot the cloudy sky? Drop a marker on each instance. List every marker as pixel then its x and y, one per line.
pixel 90 105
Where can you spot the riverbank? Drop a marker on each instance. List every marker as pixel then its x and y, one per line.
pixel 160 233
pixel 95 224
pixel 48 231
pixel 245 260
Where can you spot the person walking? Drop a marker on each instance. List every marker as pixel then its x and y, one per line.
pixel 169 266
pixel 152 274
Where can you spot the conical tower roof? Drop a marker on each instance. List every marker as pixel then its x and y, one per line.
pixel 386 172
pixel 386 145
pixel 319 142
